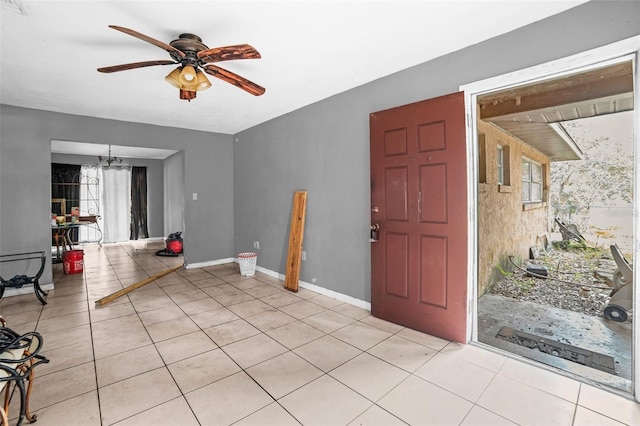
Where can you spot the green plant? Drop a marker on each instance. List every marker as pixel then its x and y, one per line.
pixel 569 245
pixel 502 271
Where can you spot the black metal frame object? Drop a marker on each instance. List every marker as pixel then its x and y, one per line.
pixel 20 280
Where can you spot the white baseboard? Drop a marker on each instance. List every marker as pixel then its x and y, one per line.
pixel 324 291
pixel 321 290
pixel 209 263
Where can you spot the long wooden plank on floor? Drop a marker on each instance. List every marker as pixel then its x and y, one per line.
pixel 114 296
pixel 296 235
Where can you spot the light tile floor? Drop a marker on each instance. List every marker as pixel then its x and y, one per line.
pixel 211 347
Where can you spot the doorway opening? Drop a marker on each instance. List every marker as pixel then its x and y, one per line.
pixel 545 262
pixel 146 199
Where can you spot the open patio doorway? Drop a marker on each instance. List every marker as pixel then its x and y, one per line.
pixel 553 233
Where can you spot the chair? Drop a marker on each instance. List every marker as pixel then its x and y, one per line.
pixel 19 355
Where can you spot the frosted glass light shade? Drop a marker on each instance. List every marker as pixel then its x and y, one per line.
pixel 187 75
pixel 202 81
pixel 188 80
pixel 172 78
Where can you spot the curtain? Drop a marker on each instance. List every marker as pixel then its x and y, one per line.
pixel 115 193
pixel 139 203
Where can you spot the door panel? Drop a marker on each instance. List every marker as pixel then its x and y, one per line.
pixel 433 277
pixel 395 142
pixel 432 137
pixel 419 199
pixel 396 202
pixel 397 268
pixel 433 193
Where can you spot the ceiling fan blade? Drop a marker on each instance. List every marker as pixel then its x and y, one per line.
pixel 227 53
pixel 234 79
pixel 148 39
pixel 135 65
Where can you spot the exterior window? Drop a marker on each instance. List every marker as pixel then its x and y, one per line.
pixel 500 165
pixel 503 168
pixel 531 181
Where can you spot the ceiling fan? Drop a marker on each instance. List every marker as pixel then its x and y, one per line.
pixel 190 54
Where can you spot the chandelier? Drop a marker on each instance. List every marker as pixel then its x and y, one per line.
pixel 109 159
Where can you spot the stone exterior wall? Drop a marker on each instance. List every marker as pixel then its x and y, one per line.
pixel 506 226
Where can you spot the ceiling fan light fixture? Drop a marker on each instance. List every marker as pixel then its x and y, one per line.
pixel 173 78
pixel 187 75
pixel 202 81
pixel 189 53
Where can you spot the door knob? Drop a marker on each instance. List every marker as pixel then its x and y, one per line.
pixel 375 232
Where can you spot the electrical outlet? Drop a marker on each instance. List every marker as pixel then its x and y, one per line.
pixel 256 245
pixel 304 255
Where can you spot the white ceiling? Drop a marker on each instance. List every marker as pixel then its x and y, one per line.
pixel 310 50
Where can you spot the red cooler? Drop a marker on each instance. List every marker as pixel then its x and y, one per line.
pixel 73 261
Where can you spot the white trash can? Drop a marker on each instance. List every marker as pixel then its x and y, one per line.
pixel 247 261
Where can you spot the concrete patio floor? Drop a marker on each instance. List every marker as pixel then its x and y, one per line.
pixel 591 333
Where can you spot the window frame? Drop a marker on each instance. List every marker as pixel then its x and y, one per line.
pixel 531 180
pixel 500 164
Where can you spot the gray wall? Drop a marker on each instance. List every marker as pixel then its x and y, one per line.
pixel 25 170
pixel 174 193
pixel 25 158
pixel 155 186
pixel 324 148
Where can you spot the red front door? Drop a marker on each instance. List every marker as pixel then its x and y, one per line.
pixel 419 201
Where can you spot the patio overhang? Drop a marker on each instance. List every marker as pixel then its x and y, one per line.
pixel 534 113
